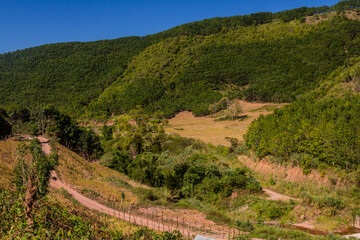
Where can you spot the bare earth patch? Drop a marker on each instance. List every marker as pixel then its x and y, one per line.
pixel 288 173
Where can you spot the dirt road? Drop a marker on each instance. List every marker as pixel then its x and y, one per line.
pixel 277 196
pixel 186 229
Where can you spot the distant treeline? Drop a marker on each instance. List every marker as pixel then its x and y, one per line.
pixel 216 25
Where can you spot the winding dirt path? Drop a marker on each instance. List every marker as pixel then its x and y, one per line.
pixel 277 196
pixel 187 230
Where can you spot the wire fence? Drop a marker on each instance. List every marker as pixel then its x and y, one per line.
pixel 163 221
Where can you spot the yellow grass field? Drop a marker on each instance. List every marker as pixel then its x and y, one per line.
pixel 8 156
pixel 211 131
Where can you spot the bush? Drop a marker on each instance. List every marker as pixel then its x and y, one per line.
pixel 117 160
pixel 272 210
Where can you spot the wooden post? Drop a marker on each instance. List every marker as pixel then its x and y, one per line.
pixel 188 224
pixel 129 212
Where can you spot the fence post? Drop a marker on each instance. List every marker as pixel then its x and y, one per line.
pixel 129 212
pixel 188 224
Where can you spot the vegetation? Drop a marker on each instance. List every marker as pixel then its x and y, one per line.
pixel 52 220
pixel 262 231
pixel 60 126
pixel 33 175
pixel 30 213
pixel 201 67
pixel 79 139
pixel 66 74
pixel 187 168
pixel 311 135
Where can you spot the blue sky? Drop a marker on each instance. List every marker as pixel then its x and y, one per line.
pixel 28 23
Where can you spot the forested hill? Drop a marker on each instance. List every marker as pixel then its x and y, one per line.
pixel 271 62
pixel 214 57
pixel 319 130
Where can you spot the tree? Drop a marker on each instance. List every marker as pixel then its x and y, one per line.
pixel 32 174
pixel 138 133
pixel 235 109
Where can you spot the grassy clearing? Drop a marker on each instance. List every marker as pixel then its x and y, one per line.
pixel 210 130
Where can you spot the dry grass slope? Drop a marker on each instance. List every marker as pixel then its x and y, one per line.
pixel 7 162
pixel 208 130
pixel 94 180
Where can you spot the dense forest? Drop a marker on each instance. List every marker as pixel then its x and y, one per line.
pixel 71 75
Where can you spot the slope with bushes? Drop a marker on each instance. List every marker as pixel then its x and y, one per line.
pixel 320 130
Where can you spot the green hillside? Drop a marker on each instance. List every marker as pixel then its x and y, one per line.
pixel 66 74
pixel 321 130
pixel 71 75
pixel 271 62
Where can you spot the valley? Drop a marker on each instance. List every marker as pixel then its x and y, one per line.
pixel 243 127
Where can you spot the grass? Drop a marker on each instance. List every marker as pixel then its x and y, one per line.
pixel 329 206
pixel 111 187
pixel 68 196
pixel 273 232
pixel 94 180
pixel 8 159
pixel 69 203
